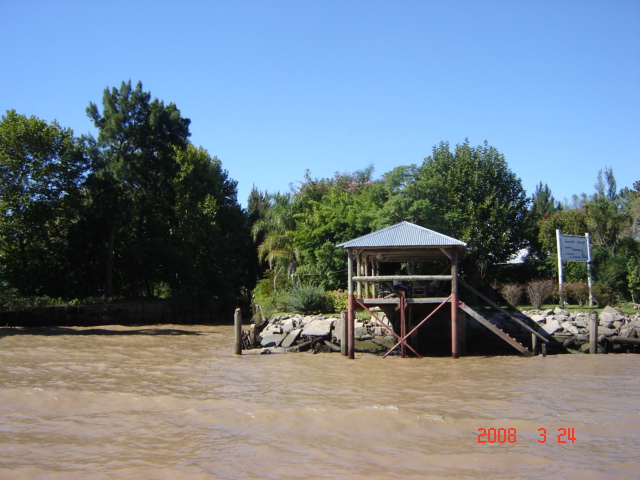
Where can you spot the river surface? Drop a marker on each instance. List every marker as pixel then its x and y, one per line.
pixel 173 402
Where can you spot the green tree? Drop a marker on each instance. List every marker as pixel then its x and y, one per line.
pixel 633 277
pixel 211 236
pixel 605 219
pixel 276 228
pixel 398 202
pixel 134 184
pixel 41 171
pixel 330 211
pixel 543 204
pixel 630 199
pixel 569 222
pixel 257 205
pixel 472 195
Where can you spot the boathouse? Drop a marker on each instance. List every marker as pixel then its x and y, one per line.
pixel 375 279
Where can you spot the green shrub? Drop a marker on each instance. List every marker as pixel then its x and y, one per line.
pixel 337 300
pixel 604 295
pixel 577 293
pixel 272 300
pixel 306 299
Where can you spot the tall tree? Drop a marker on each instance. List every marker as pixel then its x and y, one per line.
pixel 212 235
pixel 277 227
pixel 137 137
pixel 330 211
pixel 606 220
pixel 257 205
pixel 472 195
pixel 41 170
pixel 542 203
pixel 570 222
pixel 631 207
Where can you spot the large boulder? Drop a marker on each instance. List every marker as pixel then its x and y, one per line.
pixel 551 326
pixel 272 339
pixel 571 328
pixel 607 332
pixel 318 327
pixel 291 338
pixel 608 316
pixel 289 325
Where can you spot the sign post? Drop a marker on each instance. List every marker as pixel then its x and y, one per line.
pixel 560 276
pixel 574 248
pixel 589 269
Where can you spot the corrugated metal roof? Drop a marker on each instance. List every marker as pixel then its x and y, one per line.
pixel 404 234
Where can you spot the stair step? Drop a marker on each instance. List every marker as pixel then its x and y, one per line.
pixel 498 331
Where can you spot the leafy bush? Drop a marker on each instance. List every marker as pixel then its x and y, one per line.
pixel 538 291
pixel 306 299
pixel 512 293
pixel 337 300
pixel 12 301
pixel 271 300
pixel 273 304
pixel 577 293
pixel 604 295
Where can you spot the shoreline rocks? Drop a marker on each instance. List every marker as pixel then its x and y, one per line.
pixel 319 333
pixel 569 331
pixel 617 332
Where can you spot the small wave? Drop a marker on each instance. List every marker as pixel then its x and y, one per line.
pixel 382 407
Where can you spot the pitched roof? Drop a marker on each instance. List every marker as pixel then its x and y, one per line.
pixel 404 234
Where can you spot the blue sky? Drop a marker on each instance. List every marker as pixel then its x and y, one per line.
pixel 276 87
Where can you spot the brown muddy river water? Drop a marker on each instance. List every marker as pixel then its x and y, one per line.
pixel 173 402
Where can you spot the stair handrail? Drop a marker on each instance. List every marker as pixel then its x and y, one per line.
pixel 502 310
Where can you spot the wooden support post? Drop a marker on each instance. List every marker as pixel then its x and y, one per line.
pixel 237 323
pixel 365 269
pixel 359 270
pixel 367 285
pixel 351 327
pixel 455 352
pixel 351 309
pixel 534 344
pixel 593 332
pixel 403 322
pixel 345 332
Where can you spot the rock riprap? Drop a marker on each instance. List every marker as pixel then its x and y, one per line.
pixel 319 333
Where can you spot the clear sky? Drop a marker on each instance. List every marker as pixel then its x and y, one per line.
pixel 275 87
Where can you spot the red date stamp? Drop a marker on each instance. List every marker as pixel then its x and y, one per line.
pixel 510 435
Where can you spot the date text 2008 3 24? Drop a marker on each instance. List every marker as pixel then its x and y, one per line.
pixel 510 435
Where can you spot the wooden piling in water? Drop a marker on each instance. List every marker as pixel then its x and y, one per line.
pixel 345 332
pixel 237 323
pixel 593 332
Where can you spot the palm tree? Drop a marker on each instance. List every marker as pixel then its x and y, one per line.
pixel 276 228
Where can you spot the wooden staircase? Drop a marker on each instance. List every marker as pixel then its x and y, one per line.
pixel 499 332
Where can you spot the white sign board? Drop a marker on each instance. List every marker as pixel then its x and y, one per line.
pixel 574 249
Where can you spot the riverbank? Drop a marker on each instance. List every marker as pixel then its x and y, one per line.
pixel 568 332
pixel 617 332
